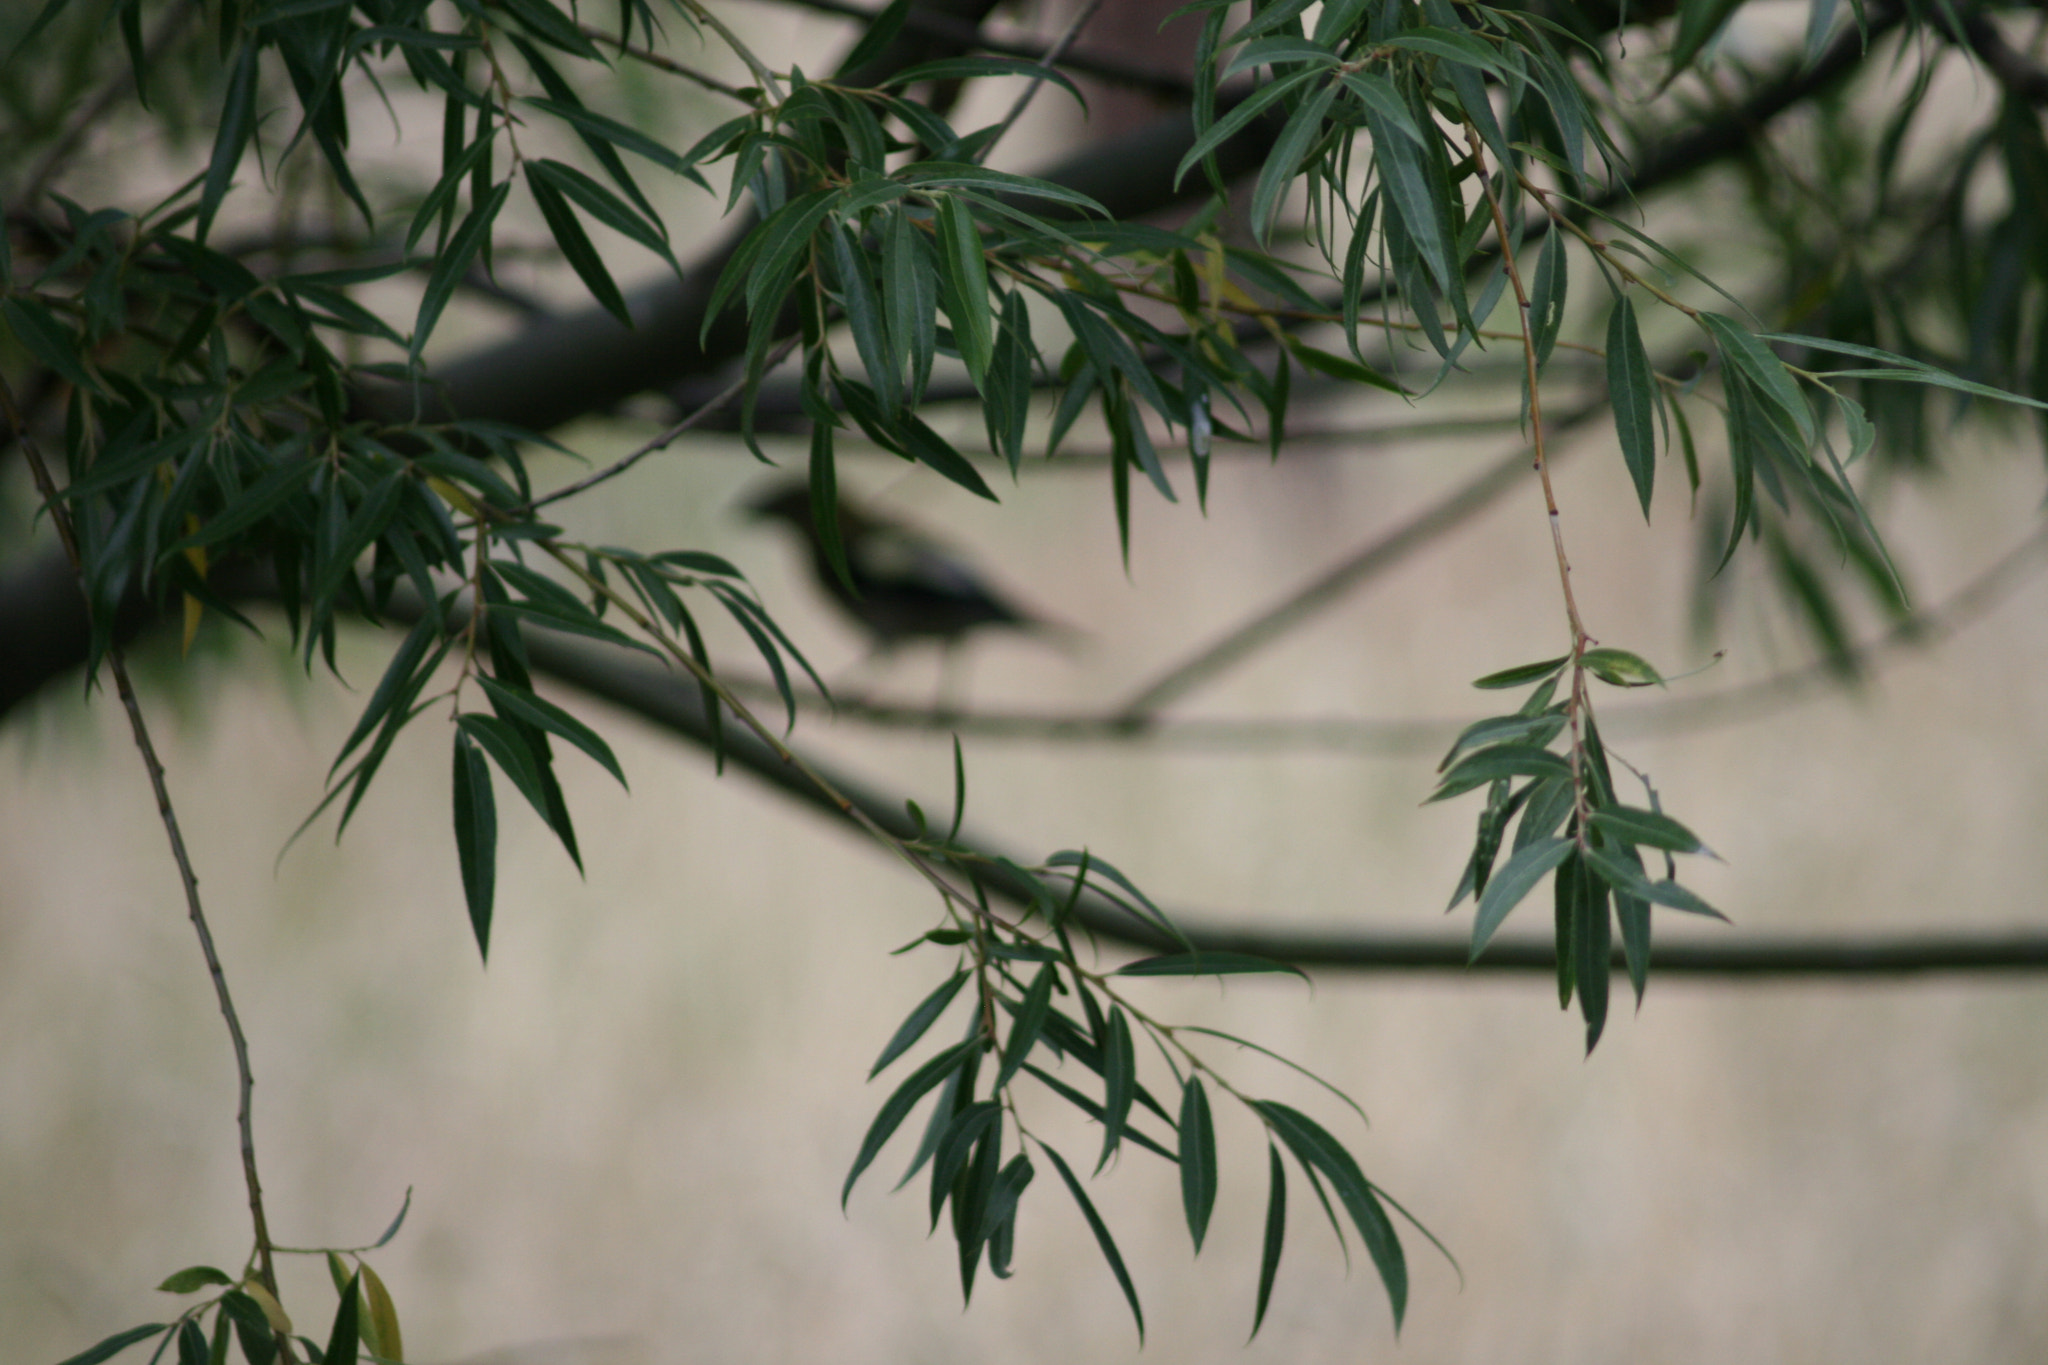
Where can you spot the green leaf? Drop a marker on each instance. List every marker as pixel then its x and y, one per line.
pixel 1279 51
pixel 343 1337
pixel 1102 1237
pixel 910 296
pixel 1417 197
pixel 1234 122
pixel 551 26
pixel 920 1019
pixel 231 135
pixel 1276 1233
pixel 1537 730
pixel 1087 862
pixel 999 1218
pixel 192 1279
pixel 115 1344
pixel 1316 1149
pixel 1304 128
pixel 882 362
pixel 1619 668
pixel 381 1335
pixel 1741 349
pixel 515 754
pixel 1296 1067
pixel 1649 828
pixel 963 273
pixel 1341 367
pixel 192 1345
pixel 1197 1160
pixel 881 31
pixel 1119 1082
pixel 607 208
pixel 899 1104
pixel 1631 392
pixel 476 837
pixel 454 263
pixel 534 710
pixel 1501 760
pixel 1083 1103
pixel 956 1144
pixel 1523 673
pixel 48 340
pixel 1515 880
pixel 1029 1023
pixel 1006 406
pixel 1590 944
pixel 1206 963
pixel 1630 880
pixel 1547 298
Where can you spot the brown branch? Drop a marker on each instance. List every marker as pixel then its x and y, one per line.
pixel 246 1081
pixel 656 695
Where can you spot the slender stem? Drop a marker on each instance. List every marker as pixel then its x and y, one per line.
pixel 1578 699
pixel 60 515
pixel 661 63
pixel 1046 63
pixel 703 410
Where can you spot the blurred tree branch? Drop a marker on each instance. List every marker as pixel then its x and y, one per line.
pixel 560 368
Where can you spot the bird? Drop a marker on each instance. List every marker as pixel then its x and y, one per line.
pixel 906 585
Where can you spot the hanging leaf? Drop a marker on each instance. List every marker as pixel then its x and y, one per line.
pixel 1632 394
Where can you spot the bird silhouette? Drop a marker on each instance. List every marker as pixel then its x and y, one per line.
pixel 906 585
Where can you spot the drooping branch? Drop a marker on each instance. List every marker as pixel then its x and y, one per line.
pixel 655 695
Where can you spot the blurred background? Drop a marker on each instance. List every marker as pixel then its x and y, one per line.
pixel 625 1136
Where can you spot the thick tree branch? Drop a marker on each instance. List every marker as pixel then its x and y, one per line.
pixel 657 696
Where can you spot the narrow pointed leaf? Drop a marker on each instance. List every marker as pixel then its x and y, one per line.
pixel 1653 829
pixel 1197 1160
pixel 1313 1146
pixel 344 1336
pixel 115 1344
pixel 1491 764
pixel 1276 1233
pixel 965 275
pixel 1029 1022
pixel 1506 888
pixel 537 711
pixel 920 1019
pixel 1102 1237
pixel 1207 963
pixel 1631 392
pixel 1119 1082
pixel 1521 674
pixel 476 837
pixel 1631 880
pixel 383 1321
pixel 899 1104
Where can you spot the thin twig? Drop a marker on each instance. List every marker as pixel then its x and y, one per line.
pixel 656 60
pixel 1046 63
pixel 703 410
pixel 1382 554
pixel 1578 704
pixel 60 515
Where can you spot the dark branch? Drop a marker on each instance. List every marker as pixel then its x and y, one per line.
pixel 656 695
